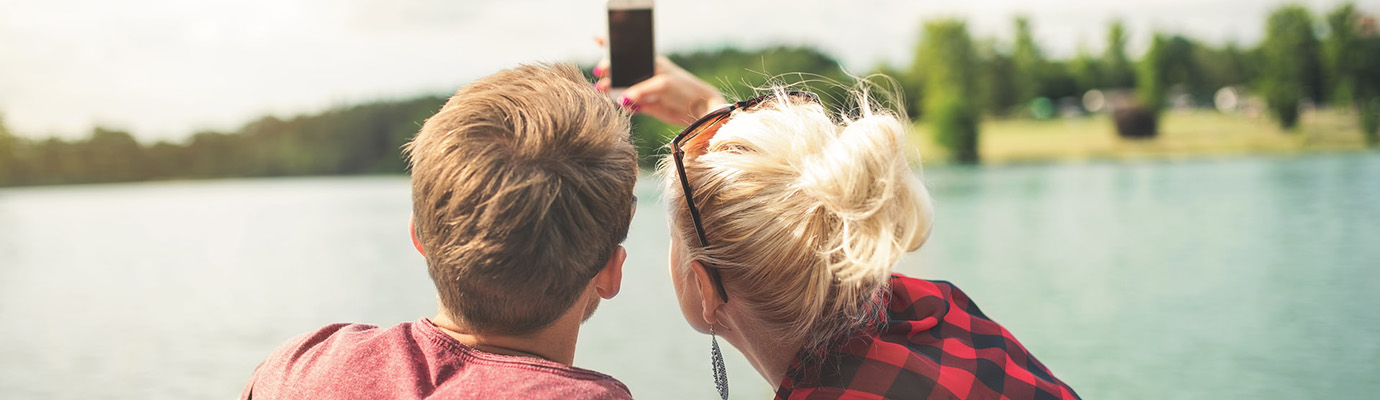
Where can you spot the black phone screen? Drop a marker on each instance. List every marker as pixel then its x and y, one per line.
pixel 631 51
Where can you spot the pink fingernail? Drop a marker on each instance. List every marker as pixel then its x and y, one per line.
pixel 599 71
pixel 624 102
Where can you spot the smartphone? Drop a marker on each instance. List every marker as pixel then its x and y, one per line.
pixel 632 51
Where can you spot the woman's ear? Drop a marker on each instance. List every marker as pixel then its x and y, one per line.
pixel 609 281
pixel 412 231
pixel 709 297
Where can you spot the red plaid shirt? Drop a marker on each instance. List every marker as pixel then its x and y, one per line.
pixel 933 344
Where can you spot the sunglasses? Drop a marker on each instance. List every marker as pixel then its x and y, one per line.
pixel 696 137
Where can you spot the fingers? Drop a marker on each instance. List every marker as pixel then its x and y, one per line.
pixel 645 94
pixel 601 69
pixel 669 95
pixel 601 72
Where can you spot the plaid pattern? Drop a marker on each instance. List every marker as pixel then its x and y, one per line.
pixel 934 344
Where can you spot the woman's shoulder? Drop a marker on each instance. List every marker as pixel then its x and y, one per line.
pixel 925 301
pixel 912 288
pixel 949 345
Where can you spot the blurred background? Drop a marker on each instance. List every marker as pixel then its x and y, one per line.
pixel 1161 199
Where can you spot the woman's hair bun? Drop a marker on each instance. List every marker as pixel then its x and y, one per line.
pixel 860 175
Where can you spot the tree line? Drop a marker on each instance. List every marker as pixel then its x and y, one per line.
pixel 360 139
pixel 953 82
pixel 1332 61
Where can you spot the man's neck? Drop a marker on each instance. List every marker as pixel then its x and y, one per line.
pixel 554 343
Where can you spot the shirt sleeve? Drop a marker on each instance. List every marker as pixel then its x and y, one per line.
pixel 247 393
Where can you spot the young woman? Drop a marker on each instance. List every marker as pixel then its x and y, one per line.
pixel 785 226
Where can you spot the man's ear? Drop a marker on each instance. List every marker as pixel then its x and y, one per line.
pixel 610 279
pixel 412 231
pixel 709 296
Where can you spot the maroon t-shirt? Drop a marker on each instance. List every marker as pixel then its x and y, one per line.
pixel 414 360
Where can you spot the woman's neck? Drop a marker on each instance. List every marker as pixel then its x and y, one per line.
pixel 767 353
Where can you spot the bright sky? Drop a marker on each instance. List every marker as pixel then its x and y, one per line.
pixel 165 68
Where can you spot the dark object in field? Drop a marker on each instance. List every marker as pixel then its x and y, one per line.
pixel 1136 123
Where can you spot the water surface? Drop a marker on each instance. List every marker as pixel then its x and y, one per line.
pixel 1209 279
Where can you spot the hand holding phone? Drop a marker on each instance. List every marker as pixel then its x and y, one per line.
pixel 672 94
pixel 632 49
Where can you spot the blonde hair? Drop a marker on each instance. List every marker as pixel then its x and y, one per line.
pixel 522 189
pixel 805 215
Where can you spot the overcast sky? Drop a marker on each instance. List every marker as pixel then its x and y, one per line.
pixel 165 68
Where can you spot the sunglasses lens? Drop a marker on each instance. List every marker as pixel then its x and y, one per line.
pixel 697 141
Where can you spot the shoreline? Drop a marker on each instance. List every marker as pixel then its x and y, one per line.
pixel 1184 134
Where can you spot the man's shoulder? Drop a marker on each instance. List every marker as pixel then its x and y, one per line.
pixel 415 360
pixel 311 357
pixel 336 334
pixel 333 343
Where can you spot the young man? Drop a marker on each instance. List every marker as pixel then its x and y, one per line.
pixel 521 193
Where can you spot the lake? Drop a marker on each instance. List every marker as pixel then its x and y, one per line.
pixel 1252 278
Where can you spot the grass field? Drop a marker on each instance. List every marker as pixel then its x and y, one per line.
pixel 1182 134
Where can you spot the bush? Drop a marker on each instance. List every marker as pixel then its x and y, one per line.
pixel 1285 108
pixel 1370 120
pixel 955 127
pixel 1136 123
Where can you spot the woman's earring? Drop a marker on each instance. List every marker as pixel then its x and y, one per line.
pixel 717 360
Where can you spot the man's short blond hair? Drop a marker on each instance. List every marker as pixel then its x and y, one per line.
pixel 521 192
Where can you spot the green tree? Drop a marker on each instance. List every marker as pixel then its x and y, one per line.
pixel 1367 88
pixel 114 156
pixel 1152 84
pixel 1222 67
pixel 1117 70
pixel 1291 63
pixel 55 161
pixel 950 81
pixel 215 155
pixel 1088 71
pixel 1168 62
pixel 998 86
pixel 167 161
pixel 1341 53
pixel 1029 61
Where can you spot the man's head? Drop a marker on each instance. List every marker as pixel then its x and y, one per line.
pixel 521 193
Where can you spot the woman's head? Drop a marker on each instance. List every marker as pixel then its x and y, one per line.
pixel 804 214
